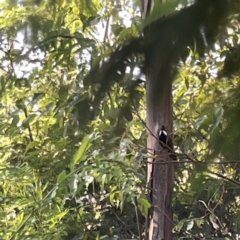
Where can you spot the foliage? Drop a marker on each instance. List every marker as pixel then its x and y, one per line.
pixel 73 153
pixel 63 174
pixel 207 109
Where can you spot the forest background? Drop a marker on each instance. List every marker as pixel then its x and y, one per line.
pixel 73 150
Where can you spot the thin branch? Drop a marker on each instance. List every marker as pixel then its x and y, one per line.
pixel 106 30
pixel 138 222
pixel 28 125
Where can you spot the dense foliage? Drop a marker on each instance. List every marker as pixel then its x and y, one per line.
pixel 73 160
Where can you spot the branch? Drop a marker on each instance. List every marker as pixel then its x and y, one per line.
pixel 28 125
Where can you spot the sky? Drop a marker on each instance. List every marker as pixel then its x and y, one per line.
pixel 24 68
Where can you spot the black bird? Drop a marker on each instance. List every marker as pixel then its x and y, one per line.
pixel 163 136
pixel 165 142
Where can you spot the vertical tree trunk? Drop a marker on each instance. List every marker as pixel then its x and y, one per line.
pixel 160 168
pixel 160 171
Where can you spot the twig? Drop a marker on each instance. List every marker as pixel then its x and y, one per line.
pixel 28 125
pixel 138 222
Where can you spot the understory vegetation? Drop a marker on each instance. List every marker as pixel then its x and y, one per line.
pixel 73 159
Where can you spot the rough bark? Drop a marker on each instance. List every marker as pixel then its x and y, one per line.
pixel 160 169
pixel 159 112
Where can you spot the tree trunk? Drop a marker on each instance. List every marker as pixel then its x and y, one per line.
pixel 160 167
pixel 160 172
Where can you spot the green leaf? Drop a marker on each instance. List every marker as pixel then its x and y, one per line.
pixel 63 93
pixel 124 33
pixel 144 202
pixel 144 205
pixel 113 112
pixel 116 28
pixel 61 176
pixel 79 156
pixel 96 62
pixel 199 222
pixel 31 118
pixel 15 120
pixel 178 226
pixel 31 145
pixel 112 194
pixel 200 120
pixel 111 197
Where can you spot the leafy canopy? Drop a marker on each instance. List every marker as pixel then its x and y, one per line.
pixel 73 152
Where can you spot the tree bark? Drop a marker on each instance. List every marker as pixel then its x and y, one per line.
pixel 160 172
pixel 160 169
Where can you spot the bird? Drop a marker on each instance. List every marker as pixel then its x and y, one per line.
pixel 165 142
pixel 163 136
